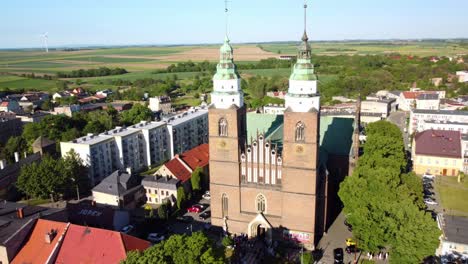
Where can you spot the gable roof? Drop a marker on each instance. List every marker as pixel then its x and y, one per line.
pixel 116 184
pixel 196 157
pixel 36 249
pixel 92 245
pixel 439 143
pixel 41 142
pixel 178 169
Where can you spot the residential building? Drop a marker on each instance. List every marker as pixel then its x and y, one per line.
pixel 187 130
pixel 381 106
pixel 449 104
pixel 160 104
pixel 61 95
pixel 83 244
pixel 278 94
pixel 445 125
pixel 462 76
pixel 43 145
pixel 104 93
pixel 428 101
pixel 10 126
pixel 437 81
pixel 18 220
pixel 9 106
pixel 67 110
pixel 454 239
pixel 120 189
pixel 156 141
pixel 33 117
pixel 419 117
pixel 44 241
pixel 88 213
pixel 407 99
pixel 99 153
pixel 438 152
pixel 160 189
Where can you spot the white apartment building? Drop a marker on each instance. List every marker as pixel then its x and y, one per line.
pixel 381 106
pixel 96 153
pixel 421 120
pixel 156 141
pixel 187 130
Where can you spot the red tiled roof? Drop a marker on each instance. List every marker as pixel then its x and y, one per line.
pixel 439 143
pixel 178 169
pixel 4 103
pixel 414 95
pixel 36 249
pixel 196 157
pixel 85 245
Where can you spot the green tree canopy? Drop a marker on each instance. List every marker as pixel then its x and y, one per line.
pixel 180 197
pixel 136 114
pixel 196 179
pixel 180 249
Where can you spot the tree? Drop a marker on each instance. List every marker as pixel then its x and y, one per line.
pixel 14 144
pixel 227 241
pixel 196 179
pixel 180 197
pixel 307 258
pixel 136 114
pixel 75 172
pixel 383 204
pixel 179 249
pixel 162 211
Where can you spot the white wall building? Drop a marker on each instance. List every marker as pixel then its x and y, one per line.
pixel 160 103
pixel 156 141
pixel 462 76
pixel 428 102
pixel 380 106
pixel 187 130
pixel 445 119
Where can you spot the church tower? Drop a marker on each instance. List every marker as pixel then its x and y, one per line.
pixel 227 132
pixel 301 143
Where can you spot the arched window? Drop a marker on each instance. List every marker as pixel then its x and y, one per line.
pixel 261 203
pixel 223 128
pixel 224 205
pixel 300 132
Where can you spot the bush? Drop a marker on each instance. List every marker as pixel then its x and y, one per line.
pixel 227 241
pixel 307 258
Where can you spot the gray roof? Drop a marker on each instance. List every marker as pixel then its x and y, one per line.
pixel 160 182
pixel 428 96
pixel 440 112
pixel 186 116
pixel 456 229
pixel 118 183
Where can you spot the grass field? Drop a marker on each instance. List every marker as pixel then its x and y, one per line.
pixel 453 195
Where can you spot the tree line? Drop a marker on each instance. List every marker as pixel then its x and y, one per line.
pixel 101 71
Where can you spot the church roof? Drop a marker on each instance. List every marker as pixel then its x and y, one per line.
pixel 268 124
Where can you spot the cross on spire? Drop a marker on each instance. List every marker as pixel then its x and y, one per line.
pixel 226 11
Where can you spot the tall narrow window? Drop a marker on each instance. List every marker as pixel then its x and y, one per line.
pixel 261 203
pixel 300 132
pixel 224 205
pixel 223 127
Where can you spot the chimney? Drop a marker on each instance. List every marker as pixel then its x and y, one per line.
pixel 16 156
pixel 2 164
pixel 49 236
pixel 20 213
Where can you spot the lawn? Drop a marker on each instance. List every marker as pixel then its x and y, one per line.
pixel 94 59
pixel 28 84
pixel 453 195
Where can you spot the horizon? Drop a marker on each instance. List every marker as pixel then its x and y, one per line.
pixel 119 23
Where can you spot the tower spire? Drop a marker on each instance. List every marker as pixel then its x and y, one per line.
pixel 305 18
pixel 226 11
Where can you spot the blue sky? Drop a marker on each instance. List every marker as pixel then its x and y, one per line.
pixel 129 22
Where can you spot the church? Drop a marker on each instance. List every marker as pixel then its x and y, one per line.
pixel 269 174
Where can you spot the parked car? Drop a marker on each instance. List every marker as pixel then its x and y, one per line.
pixel 202 206
pixel 194 209
pixel 350 242
pixel 184 219
pixel 127 229
pixel 207 195
pixel 430 201
pixel 352 249
pixel 338 255
pixel 205 215
pixel 155 237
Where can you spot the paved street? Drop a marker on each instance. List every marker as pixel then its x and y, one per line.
pixel 399 119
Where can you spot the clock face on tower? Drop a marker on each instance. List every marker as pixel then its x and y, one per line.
pixel 299 149
pixel 222 144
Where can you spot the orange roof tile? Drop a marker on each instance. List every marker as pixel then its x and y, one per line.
pixel 197 157
pixel 36 249
pixel 178 169
pixel 83 245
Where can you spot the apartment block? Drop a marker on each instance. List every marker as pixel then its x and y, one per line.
pixel 421 120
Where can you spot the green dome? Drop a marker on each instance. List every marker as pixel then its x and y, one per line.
pixel 226 69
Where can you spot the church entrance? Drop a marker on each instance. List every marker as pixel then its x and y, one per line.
pixel 261 231
pixel 260 227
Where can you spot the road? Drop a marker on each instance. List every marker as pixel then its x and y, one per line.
pixel 399 119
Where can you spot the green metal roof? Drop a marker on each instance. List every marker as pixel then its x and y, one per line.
pixel 270 125
pixel 226 69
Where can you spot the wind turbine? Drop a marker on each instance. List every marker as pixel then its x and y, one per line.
pixel 46 37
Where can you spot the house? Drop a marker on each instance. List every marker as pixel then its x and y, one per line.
pixel 33 99
pixel 120 189
pixel 17 221
pixel 280 94
pixel 407 99
pixel 182 166
pixel 43 243
pixel 34 117
pixel 44 145
pixel 437 81
pixel 83 244
pixel 67 110
pixel 78 92
pixel 60 95
pixel 438 152
pixel 449 104
pixel 160 104
pixel 454 240
pixel 88 213
pixel 428 101
pixel 462 76
pixel 380 105
pixel 159 189
pixel 9 106
pixel 104 93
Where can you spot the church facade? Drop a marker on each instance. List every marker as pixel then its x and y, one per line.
pixel 258 188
